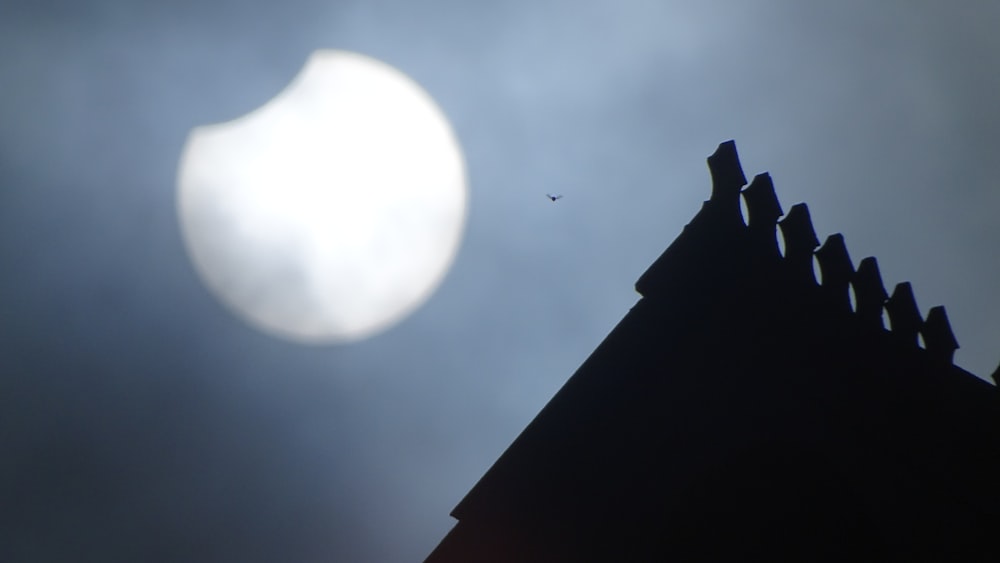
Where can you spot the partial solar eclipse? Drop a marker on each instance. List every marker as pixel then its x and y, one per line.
pixel 332 211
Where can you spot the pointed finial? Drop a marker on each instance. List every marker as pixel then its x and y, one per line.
pixel 837 270
pixel 764 210
pixel 762 202
pixel 800 241
pixel 727 173
pixel 938 337
pixel 870 294
pixel 904 316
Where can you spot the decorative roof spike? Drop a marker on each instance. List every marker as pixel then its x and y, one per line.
pixel 797 230
pixel 904 314
pixel 727 173
pixel 837 270
pixel 764 210
pixel 938 337
pixel 870 294
pixel 800 242
pixel 762 202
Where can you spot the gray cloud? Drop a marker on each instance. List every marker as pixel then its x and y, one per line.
pixel 140 421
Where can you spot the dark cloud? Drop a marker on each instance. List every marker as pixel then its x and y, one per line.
pixel 140 421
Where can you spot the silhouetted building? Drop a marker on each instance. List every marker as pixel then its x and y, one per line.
pixel 742 411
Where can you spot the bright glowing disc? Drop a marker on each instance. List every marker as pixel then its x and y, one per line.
pixel 331 212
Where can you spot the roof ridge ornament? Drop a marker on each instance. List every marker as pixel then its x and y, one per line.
pixel 800 243
pixel 938 336
pixel 870 294
pixel 764 210
pixel 727 172
pixel 837 270
pixel 904 315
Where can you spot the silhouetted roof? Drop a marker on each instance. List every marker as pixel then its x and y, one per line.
pixel 744 409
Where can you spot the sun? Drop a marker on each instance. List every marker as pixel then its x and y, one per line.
pixel 331 212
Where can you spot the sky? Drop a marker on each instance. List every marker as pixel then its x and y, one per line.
pixel 140 421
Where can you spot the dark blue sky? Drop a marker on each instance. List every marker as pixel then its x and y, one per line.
pixel 141 422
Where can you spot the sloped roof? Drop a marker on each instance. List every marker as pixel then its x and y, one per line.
pixel 736 371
